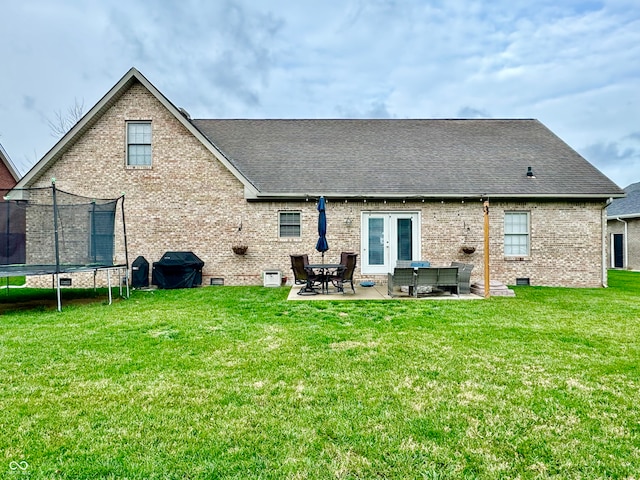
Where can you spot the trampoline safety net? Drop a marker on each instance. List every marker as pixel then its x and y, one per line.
pixel 51 230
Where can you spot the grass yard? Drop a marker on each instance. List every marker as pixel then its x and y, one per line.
pixel 12 281
pixel 236 382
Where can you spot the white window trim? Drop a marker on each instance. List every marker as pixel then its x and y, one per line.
pixel 126 153
pixel 296 237
pixel 527 234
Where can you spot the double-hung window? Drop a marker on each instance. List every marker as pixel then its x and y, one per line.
pixel 138 144
pixel 289 225
pixel 516 234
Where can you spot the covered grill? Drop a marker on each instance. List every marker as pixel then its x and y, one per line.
pixel 177 270
pixel 140 273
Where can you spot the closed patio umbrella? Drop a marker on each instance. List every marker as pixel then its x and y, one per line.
pixel 322 245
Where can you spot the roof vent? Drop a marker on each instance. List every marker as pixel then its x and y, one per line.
pixel 184 113
pixel 530 172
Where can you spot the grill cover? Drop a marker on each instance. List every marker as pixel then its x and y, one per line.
pixel 177 270
pixel 140 272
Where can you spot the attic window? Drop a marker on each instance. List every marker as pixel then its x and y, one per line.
pixel 139 144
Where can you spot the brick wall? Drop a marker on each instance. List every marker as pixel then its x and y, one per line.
pixel 190 201
pixel 634 244
pixel 566 241
pixel 6 179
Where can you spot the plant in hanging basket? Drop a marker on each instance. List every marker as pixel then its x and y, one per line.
pixel 468 249
pixel 239 249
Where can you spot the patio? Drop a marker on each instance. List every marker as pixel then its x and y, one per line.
pixel 376 292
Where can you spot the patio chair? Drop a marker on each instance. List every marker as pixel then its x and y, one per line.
pixel 401 277
pixel 426 277
pixel 464 276
pixel 303 275
pixel 343 257
pixel 345 274
pixel 448 279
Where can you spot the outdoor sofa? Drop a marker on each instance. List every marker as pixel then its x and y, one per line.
pixel 455 278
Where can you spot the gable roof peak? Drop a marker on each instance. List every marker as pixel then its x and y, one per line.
pixel 132 76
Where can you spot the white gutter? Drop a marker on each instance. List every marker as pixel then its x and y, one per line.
pixel 269 196
pixel 628 216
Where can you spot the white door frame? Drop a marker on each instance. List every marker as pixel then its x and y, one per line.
pixel 383 260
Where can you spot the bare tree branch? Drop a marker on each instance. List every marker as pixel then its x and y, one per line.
pixel 62 123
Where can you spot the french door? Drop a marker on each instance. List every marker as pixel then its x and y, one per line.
pixel 388 237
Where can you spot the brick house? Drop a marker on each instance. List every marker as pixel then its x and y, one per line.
pixel 395 189
pixel 623 226
pixel 9 177
pixel 8 174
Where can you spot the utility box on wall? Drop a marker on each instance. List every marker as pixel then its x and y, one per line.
pixel 272 278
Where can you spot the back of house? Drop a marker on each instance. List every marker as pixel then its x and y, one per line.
pixel 395 190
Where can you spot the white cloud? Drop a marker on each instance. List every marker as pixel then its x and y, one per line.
pixel 572 64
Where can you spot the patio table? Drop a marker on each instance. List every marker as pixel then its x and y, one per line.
pixel 326 269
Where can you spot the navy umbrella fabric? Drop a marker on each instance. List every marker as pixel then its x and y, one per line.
pixel 322 245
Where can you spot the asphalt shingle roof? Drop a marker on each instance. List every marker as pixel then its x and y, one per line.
pixel 629 205
pixel 427 158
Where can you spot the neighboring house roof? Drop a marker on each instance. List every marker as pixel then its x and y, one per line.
pixel 406 158
pixel 376 158
pixel 4 157
pixel 627 207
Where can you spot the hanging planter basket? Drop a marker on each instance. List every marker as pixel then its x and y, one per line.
pixel 468 249
pixel 239 249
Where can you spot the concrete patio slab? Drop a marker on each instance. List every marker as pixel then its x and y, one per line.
pixel 376 292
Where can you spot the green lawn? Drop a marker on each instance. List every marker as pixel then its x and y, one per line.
pixel 12 281
pixel 236 382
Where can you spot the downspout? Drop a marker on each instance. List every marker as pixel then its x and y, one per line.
pixel 626 260
pixel 604 243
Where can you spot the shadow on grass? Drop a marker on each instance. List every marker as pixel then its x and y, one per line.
pixel 39 299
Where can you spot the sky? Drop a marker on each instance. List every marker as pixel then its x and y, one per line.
pixel 573 65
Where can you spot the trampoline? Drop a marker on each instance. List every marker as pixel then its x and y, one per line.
pixel 46 231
